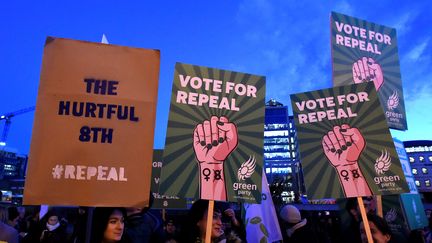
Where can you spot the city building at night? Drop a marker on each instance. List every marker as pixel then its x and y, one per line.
pixel 12 173
pixel 280 150
pixel 419 154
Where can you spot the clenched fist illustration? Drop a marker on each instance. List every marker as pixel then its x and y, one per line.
pixel 343 146
pixel 214 140
pixel 367 69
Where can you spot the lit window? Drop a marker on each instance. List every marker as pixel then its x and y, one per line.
pixel 276 148
pixel 267 170
pixel 414 171
pixel 276 133
pixel 411 159
pixel 276 155
pixel 276 140
pixel 417 183
pixel 430 158
pixel 424 170
pixel 427 183
pixel 421 159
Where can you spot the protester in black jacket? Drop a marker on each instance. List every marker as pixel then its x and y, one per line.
pixel 54 231
pixel 296 228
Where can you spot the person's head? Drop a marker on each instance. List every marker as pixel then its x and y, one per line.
pixel 35 213
pixel 170 227
pixel 352 207
pixel 21 211
pixel 379 229
pixel 13 216
pixel 108 224
pixel 53 220
pixel 369 204
pixel 290 215
pixel 198 215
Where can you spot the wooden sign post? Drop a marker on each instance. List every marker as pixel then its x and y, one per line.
pixel 209 225
pixel 365 219
pixel 379 205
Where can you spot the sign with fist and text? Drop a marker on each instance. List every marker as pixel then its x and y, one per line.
pixel 214 144
pixel 367 52
pixel 160 200
pixel 346 149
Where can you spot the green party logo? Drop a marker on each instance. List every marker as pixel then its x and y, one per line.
pixel 245 171
pixel 391 215
pixel 382 165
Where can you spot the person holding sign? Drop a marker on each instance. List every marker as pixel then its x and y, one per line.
pixel 214 140
pixel 195 229
pixel 381 232
pixel 342 147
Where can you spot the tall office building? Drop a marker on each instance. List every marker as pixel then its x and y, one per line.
pixel 12 165
pixel 280 150
pixel 419 154
pixel 12 173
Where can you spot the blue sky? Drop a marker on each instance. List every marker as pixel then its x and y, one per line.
pixel 287 41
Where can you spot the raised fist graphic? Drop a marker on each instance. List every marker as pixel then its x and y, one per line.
pixel 213 142
pixel 343 146
pixel 367 69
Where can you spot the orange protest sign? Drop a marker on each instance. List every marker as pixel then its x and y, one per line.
pixel 92 141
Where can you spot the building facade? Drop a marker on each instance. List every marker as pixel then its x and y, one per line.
pixel 13 168
pixel 281 151
pixel 12 165
pixel 419 154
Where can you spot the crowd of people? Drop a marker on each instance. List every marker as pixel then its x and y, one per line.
pixel 139 225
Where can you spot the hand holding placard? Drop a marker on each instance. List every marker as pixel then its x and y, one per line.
pixel 342 147
pixel 366 70
pixel 213 141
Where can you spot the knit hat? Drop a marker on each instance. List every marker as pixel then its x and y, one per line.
pixel 290 214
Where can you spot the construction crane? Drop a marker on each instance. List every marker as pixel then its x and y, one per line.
pixel 7 117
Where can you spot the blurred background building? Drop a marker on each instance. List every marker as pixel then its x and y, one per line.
pixel 13 168
pixel 419 154
pixel 281 156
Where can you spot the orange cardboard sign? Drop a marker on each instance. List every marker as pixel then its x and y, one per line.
pixel 92 142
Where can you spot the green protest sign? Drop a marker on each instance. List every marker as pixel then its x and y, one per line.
pixel 411 203
pixel 406 167
pixel 363 51
pixel 414 211
pixel 214 144
pixel 346 149
pixel 160 200
pixel 393 214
